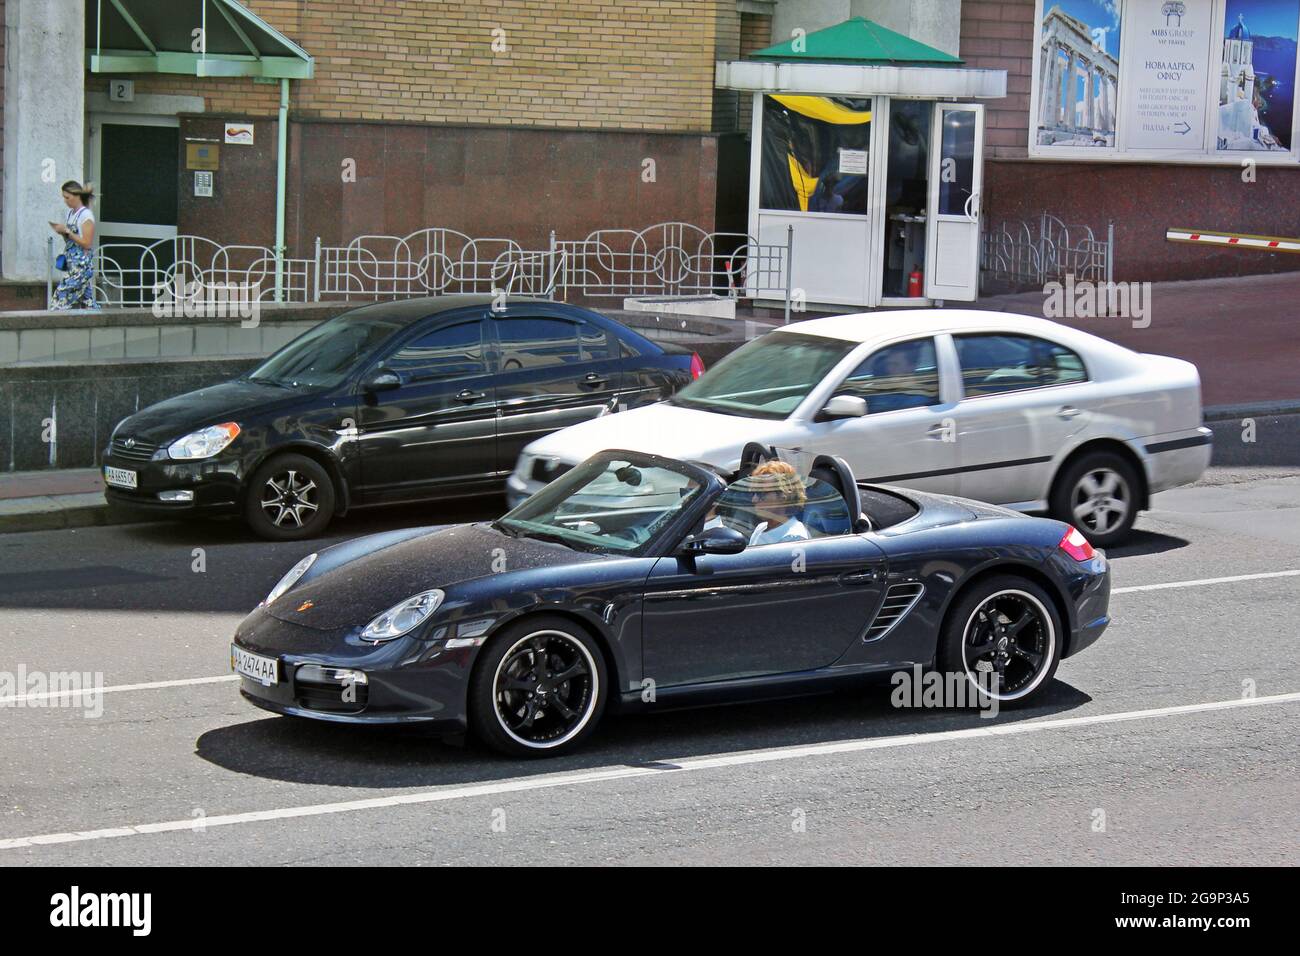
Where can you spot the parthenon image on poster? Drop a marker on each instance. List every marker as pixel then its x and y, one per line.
pixel 1078 74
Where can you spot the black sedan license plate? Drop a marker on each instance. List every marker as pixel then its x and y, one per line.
pixel 264 670
pixel 120 477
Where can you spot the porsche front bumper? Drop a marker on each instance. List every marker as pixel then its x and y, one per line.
pixel 407 681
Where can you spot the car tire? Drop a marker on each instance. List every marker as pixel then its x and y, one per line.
pixel 1098 495
pixel 981 629
pixel 521 712
pixel 289 498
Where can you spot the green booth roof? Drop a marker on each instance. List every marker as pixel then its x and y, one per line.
pixel 860 41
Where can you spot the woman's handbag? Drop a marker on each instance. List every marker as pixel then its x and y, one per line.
pixel 61 262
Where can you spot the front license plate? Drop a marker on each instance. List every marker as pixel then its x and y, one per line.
pixel 264 670
pixel 121 477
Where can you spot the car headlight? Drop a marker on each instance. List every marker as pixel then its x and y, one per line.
pixel 205 442
pixel 290 579
pixel 403 618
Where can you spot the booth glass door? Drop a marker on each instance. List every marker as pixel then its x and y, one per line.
pixel 956 178
pixel 904 208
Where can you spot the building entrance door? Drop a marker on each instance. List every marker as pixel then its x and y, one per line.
pixel 134 163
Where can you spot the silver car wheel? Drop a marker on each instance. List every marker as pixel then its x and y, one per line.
pixel 289 495
pixel 1101 501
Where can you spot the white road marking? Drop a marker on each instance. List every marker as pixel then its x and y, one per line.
pixel 159 685
pixel 553 781
pixel 116 688
pixel 1203 581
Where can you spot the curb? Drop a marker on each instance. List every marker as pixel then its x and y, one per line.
pixel 1222 413
pixel 57 512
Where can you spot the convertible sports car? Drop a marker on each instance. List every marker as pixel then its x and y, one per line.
pixel 636 580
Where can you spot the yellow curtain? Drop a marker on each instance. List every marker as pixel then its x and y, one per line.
pixel 804 182
pixel 821 108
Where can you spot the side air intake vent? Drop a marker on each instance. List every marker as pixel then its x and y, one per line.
pixel 899 599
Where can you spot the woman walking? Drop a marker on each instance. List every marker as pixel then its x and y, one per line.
pixel 77 290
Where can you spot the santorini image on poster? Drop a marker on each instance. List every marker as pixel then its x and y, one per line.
pixel 1257 82
pixel 1078 73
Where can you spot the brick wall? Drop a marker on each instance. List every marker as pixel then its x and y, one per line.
pixel 726 46
pixel 755 34
pixel 998 35
pixel 566 63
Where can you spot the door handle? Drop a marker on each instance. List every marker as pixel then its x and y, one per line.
pixel 865 576
pixel 1066 412
pixel 937 430
pixel 591 378
pixel 467 395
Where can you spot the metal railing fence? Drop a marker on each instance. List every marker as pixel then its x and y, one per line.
pixel 672 259
pixel 1023 252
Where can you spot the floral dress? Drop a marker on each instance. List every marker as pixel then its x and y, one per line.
pixel 77 290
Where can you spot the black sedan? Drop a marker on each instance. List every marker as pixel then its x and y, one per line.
pixel 391 402
pixel 636 581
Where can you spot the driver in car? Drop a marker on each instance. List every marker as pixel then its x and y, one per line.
pixel 777 503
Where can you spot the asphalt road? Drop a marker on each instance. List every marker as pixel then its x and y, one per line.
pixel 1175 739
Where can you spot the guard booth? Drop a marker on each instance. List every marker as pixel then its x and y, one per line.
pixel 870 145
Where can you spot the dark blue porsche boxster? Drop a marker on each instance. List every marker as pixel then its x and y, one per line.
pixel 635 580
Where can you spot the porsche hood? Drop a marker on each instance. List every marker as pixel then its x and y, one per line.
pixel 355 592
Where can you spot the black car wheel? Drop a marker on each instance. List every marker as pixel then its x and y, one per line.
pixel 1005 636
pixel 539 688
pixel 289 498
pixel 1098 495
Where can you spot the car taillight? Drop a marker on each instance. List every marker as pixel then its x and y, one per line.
pixel 1077 546
pixel 697 366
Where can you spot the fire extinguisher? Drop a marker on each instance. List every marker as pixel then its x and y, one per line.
pixel 914 284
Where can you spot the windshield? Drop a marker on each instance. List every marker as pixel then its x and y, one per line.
pixel 324 356
pixel 606 504
pixel 766 378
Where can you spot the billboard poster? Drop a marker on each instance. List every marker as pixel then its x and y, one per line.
pixel 1078 73
pixel 1172 53
pixel 1194 81
pixel 1257 81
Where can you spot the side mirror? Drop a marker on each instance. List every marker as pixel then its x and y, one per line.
pixel 381 380
pixel 845 406
pixel 718 540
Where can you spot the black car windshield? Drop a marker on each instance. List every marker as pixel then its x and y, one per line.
pixel 324 356
pixel 766 378
pixel 607 504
